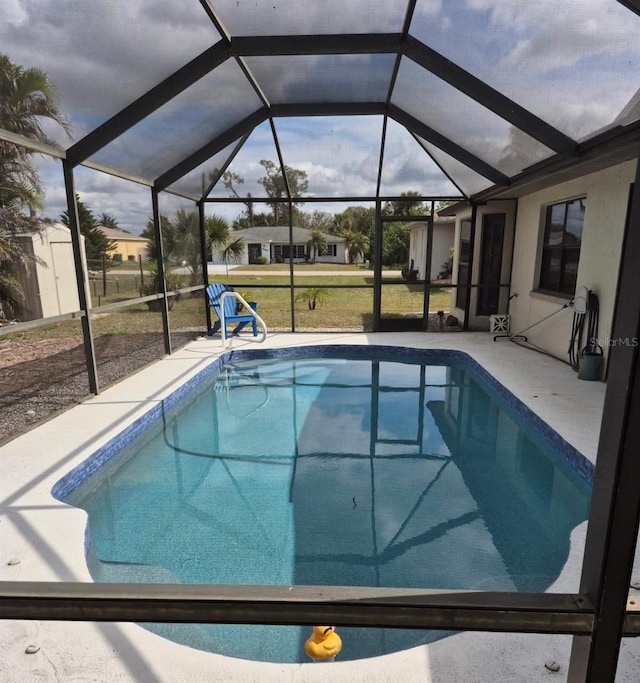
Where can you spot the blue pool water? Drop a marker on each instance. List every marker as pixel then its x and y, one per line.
pixel 366 466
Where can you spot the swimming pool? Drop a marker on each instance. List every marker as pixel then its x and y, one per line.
pixel 332 465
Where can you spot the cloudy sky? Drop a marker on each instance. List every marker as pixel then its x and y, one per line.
pixel 575 64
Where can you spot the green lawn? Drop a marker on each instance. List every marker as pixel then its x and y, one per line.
pixel 340 309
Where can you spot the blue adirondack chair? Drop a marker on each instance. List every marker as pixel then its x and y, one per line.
pixel 214 294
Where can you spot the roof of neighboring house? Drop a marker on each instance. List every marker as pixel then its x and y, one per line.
pixel 44 228
pixel 454 208
pixel 280 234
pixel 442 221
pixel 115 234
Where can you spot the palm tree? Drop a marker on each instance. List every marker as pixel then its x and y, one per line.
pixel 313 296
pixel 12 258
pixel 186 225
pixel 106 220
pixel 217 232
pixel 27 99
pixel 218 236
pixel 317 244
pixel 232 252
pixel 357 245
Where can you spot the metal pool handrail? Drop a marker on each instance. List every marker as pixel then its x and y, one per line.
pixel 250 310
pixel 228 370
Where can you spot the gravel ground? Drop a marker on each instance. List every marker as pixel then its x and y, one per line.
pixel 40 379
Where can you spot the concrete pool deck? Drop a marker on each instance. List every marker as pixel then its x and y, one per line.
pixel 43 539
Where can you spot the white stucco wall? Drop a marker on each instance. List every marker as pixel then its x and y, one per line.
pixel 607 194
pixel 267 249
pixel 443 233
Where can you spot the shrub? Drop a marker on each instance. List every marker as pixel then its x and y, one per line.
pixel 313 296
pixel 152 286
pixel 261 260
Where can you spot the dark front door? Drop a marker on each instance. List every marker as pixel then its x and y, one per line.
pixel 490 263
pixel 255 252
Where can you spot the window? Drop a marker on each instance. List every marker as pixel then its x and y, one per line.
pixel 561 246
pixel 283 251
pixel 332 250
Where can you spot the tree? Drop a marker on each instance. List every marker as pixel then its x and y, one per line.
pixel 356 219
pixel 96 244
pixel 395 245
pixel 319 220
pixel 12 258
pixel 276 188
pixel 261 219
pixel 313 296
pixel 108 221
pixel 168 238
pixel 230 180
pixel 231 252
pixel 357 245
pixel 357 225
pixel 27 100
pixel 218 237
pixel 186 225
pixel 411 206
pixel 317 245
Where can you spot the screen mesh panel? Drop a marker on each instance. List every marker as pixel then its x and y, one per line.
pixel 197 181
pixel 461 119
pixel 246 164
pixel 323 78
pixel 339 154
pixel 245 18
pixel 574 64
pixel 103 55
pixel 407 167
pixel 464 177
pixel 183 125
pixel 106 196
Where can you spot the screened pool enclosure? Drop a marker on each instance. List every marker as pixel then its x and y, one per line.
pixel 186 106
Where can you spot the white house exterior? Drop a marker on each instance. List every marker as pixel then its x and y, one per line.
pixel 547 317
pixel 272 243
pixel 441 245
pixel 49 284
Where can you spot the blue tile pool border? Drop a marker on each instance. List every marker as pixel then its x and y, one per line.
pixel 105 453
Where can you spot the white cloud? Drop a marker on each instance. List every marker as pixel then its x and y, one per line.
pixel 240 17
pixel 12 12
pixel 553 34
pixel 576 70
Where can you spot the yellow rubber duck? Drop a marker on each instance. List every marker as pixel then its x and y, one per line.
pixel 324 644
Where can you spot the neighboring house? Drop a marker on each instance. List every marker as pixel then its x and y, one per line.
pixel 49 283
pixel 529 254
pixel 272 242
pixel 441 245
pixel 128 247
